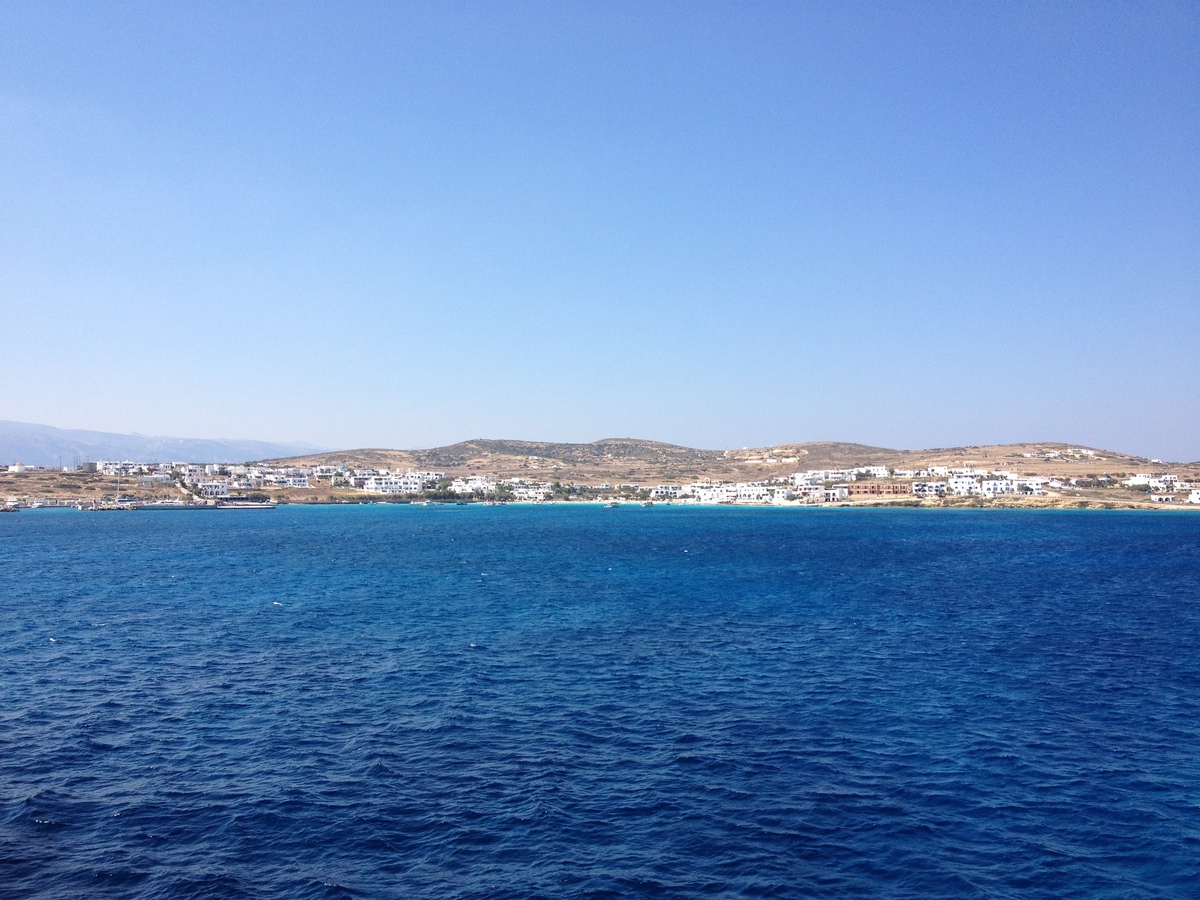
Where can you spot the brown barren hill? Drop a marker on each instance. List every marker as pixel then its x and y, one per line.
pixel 630 460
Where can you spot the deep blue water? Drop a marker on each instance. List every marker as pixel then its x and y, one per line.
pixel 487 702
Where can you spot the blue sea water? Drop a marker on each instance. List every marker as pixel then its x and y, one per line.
pixel 475 702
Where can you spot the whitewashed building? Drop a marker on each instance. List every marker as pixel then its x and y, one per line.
pixel 963 485
pixel 752 492
pixel 474 484
pixel 994 487
pixel 392 484
pixel 873 471
pixel 217 487
pixel 715 493
pixel 531 493
pixel 803 479
pixel 809 493
pixel 929 488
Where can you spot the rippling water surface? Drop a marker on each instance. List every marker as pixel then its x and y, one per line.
pixel 579 702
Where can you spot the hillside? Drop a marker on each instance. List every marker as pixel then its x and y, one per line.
pixel 640 461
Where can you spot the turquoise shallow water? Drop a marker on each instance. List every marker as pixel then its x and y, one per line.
pixel 579 702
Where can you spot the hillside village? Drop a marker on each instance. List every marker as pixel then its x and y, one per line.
pixel 131 482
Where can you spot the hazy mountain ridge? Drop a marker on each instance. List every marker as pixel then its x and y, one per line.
pixel 45 445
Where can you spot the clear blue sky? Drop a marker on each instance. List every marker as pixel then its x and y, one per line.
pixel 712 224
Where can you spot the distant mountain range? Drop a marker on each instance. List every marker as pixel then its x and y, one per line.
pixel 43 445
